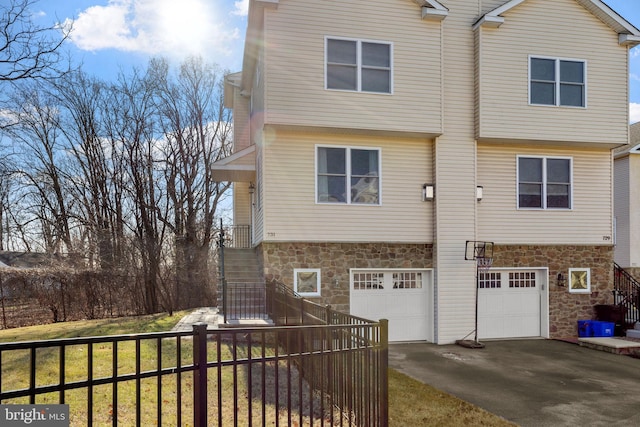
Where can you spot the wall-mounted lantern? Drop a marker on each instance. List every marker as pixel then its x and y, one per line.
pixel 479 192
pixel 561 280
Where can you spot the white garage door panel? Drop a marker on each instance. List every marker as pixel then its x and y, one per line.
pixel 509 304
pixel 375 295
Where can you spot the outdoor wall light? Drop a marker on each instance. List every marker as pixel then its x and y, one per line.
pixel 479 190
pixel 561 280
pixel 252 188
pixel 428 192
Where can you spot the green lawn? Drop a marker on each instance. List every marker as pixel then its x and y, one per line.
pixel 411 403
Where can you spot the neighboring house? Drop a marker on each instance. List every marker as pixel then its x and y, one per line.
pixel 627 203
pixel 349 115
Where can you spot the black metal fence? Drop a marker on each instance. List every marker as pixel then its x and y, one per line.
pixel 626 293
pixel 244 301
pixel 323 368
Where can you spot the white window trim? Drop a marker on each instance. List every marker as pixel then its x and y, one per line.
pixel 348 149
pixel 318 282
pixel 544 183
pixel 358 63
pixel 557 82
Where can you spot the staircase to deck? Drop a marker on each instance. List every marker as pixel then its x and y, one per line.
pixel 626 294
pixel 245 297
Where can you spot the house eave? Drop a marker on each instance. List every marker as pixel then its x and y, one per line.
pixel 238 167
pixel 628 34
pixel 629 40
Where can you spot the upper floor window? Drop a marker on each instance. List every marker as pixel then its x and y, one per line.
pixel 348 175
pixel 559 82
pixel 357 65
pixel 544 183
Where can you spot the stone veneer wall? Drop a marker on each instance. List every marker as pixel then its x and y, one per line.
pixel 335 259
pixel 565 308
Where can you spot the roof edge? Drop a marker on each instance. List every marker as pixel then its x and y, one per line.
pixel 629 35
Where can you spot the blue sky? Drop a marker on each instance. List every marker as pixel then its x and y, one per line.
pixel 110 35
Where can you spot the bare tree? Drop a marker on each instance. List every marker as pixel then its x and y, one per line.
pixel 131 130
pixel 196 129
pixel 35 130
pixel 28 51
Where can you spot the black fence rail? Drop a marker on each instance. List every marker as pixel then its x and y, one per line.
pixel 626 293
pixel 244 301
pixel 311 374
pixel 357 379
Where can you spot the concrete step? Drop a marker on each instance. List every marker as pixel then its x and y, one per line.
pixel 633 333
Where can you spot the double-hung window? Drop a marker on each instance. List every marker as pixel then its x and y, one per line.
pixel 356 65
pixel 557 82
pixel 544 183
pixel 348 175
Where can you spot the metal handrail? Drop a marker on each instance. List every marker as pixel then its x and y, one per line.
pixel 626 293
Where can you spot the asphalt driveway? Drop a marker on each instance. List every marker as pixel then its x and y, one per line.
pixel 531 382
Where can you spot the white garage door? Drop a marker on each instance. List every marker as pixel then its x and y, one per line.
pixel 401 296
pixel 509 303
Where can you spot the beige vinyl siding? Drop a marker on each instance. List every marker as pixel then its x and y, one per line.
pixel 488 5
pixel 622 203
pixel 241 204
pixel 587 223
pixel 455 178
pixel 634 210
pixel 290 199
pixel 296 92
pixel 241 125
pixel 558 29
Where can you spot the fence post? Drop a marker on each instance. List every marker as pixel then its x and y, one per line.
pixel 383 374
pixel 200 374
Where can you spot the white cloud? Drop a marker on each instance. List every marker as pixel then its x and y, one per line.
pixel 241 8
pixel 154 27
pixel 634 112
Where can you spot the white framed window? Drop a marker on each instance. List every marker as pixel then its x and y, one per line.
pixel 306 282
pixel 544 182
pixel 557 82
pixel 580 280
pixel 348 175
pixel 358 65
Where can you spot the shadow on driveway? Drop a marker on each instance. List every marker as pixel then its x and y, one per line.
pixel 531 382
